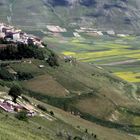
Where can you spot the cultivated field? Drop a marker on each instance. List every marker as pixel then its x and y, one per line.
pixel 121 55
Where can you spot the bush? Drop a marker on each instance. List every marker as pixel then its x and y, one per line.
pixel 53 60
pixel 22 116
pixel 51 113
pixel 24 76
pixel 77 138
pixel 5 75
pixel 26 99
pixel 41 107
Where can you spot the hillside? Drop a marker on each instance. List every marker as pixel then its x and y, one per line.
pixel 85 92
pixel 65 126
pixel 80 80
pixel 119 15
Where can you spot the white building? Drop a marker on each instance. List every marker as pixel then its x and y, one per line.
pixel 16 36
pixel 110 32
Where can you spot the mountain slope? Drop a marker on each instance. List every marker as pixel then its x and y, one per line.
pixel 120 15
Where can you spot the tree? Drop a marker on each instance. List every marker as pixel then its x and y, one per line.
pixel 51 113
pixel 24 75
pixel 53 60
pixel 15 92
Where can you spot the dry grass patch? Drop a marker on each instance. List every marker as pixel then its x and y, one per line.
pixel 99 107
pixel 45 84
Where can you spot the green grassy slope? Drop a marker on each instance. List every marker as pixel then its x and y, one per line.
pixel 37 128
pixel 90 91
pixel 43 129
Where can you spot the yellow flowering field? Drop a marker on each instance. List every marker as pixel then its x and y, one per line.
pixel 94 55
pixel 129 76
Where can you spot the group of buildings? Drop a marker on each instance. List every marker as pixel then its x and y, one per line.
pixel 14 35
pixel 96 32
pixel 56 29
pixel 9 106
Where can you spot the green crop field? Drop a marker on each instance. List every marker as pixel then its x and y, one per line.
pixel 120 55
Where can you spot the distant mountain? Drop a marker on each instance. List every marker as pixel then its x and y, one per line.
pixel 120 15
pixel 71 2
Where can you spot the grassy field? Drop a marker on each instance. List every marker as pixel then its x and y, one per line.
pixel 27 67
pixel 37 128
pixel 95 105
pixel 102 133
pixel 79 86
pixel 45 84
pixel 65 123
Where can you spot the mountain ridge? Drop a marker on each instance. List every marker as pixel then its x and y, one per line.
pixel 121 15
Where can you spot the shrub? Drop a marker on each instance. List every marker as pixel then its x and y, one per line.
pixel 24 76
pixel 77 138
pixel 53 60
pixel 41 107
pixel 51 113
pixel 5 75
pixel 22 116
pixel 26 99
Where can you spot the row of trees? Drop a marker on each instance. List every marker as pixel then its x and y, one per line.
pixel 19 51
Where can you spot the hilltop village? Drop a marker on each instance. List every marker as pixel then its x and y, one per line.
pixel 14 35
